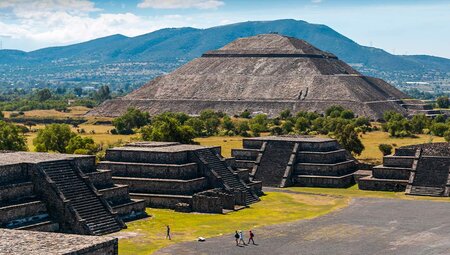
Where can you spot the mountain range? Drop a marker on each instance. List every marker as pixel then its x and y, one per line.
pixel 167 49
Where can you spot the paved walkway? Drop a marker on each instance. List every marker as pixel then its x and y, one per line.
pixel 367 226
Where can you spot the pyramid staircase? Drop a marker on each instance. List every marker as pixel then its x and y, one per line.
pixel 274 162
pixel 91 210
pixel 229 178
pixel 428 177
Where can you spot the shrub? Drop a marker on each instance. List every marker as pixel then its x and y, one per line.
pixel 246 114
pixel 386 149
pixel 11 137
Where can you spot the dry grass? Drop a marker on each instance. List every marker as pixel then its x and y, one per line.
pixel 372 140
pixel 100 134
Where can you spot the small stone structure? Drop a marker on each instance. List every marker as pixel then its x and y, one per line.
pixel 296 161
pixel 16 242
pixel 421 169
pixel 172 175
pixel 61 193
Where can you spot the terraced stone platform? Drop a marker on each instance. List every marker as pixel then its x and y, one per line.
pixel 296 161
pixel 179 176
pixel 62 193
pixel 421 169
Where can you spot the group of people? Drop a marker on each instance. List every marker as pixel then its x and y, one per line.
pixel 239 236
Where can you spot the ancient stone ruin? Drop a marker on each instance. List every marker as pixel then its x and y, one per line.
pixel 296 161
pixel 62 193
pixel 266 73
pixel 421 169
pixel 181 177
pixel 17 242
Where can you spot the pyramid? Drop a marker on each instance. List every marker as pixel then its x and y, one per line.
pixel 265 73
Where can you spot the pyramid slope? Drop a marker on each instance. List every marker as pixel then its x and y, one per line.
pixel 265 73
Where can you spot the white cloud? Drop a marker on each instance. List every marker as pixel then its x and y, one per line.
pixel 181 4
pixel 58 22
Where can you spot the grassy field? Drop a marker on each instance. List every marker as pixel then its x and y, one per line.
pixel 97 132
pixel 76 111
pixel 148 235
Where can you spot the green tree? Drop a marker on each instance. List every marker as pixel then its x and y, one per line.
pixel 44 95
pixel 243 128
pixel 103 93
pixel 285 114
pixel 78 91
pixel 2 116
pixel 80 145
pixel 245 114
pixel 334 111
pixel 386 149
pixel 420 122
pixel 447 136
pixel 287 127
pixel 227 124
pixel 302 124
pixel 348 138
pixel 168 129
pixel 347 114
pixel 133 118
pixel 11 137
pixel 197 125
pixel 439 129
pixel 54 137
pixel 443 102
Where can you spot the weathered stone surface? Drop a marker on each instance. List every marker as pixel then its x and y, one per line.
pixel 267 73
pixel 18 242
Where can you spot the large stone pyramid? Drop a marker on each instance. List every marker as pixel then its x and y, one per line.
pixel 265 73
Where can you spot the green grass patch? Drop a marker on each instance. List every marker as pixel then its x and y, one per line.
pixel 148 235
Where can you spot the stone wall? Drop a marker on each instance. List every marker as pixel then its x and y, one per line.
pixel 245 154
pixel 163 186
pixel 13 173
pixel 143 170
pixel 325 181
pixel 398 161
pixel 368 183
pixel 328 157
pixel 336 169
pixel 139 156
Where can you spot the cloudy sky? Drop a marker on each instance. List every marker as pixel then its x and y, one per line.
pixel 398 26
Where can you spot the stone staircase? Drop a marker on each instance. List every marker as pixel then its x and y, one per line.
pixel 429 176
pixel 87 203
pixel 427 191
pixel 274 163
pixel 229 178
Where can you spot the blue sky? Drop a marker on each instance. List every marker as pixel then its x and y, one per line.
pixel 398 26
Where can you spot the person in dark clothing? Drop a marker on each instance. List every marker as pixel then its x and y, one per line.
pixel 251 237
pixel 236 236
pixel 168 233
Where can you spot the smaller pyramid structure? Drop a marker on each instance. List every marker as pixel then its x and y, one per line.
pixel 265 73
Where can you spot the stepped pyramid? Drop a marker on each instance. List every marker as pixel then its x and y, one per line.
pixel 266 73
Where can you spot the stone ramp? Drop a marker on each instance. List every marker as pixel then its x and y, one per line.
pixel 229 178
pixel 93 211
pixel 430 177
pixel 274 162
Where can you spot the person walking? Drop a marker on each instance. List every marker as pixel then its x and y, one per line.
pixel 251 237
pixel 168 233
pixel 236 236
pixel 241 237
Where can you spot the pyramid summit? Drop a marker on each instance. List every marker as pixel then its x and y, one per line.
pixel 264 73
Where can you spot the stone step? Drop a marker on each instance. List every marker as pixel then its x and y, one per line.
pixel 44 226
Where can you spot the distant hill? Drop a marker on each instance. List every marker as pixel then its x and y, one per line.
pixel 175 46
